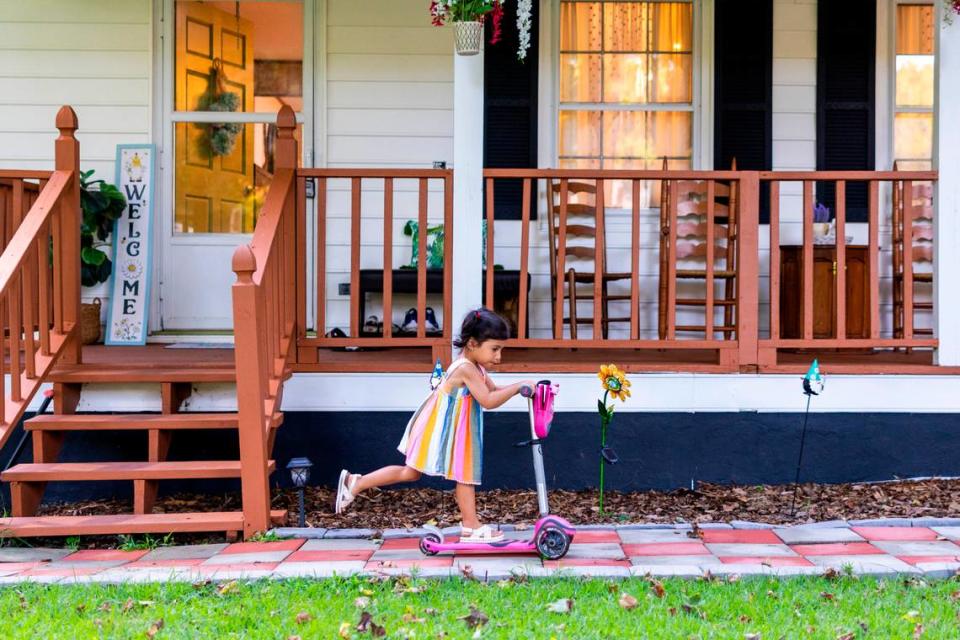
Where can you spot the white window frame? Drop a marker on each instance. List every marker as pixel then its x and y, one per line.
pixel 701 105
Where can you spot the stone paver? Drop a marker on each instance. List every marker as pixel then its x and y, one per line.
pixel 885 547
pixel 810 535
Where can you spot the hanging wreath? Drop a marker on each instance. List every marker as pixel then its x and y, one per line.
pixel 223 135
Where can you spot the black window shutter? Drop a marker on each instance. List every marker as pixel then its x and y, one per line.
pixel 846 54
pixel 743 88
pixel 510 111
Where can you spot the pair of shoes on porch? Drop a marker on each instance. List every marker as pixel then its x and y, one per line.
pixel 345 495
pixel 484 533
pixel 430 320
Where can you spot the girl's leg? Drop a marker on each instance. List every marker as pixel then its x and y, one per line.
pixel 383 476
pixel 467 501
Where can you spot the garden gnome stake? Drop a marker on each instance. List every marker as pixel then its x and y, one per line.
pixel 812 386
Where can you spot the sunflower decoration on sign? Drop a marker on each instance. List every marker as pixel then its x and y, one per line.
pixel 615 384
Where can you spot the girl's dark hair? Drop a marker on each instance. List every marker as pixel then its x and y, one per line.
pixel 481 325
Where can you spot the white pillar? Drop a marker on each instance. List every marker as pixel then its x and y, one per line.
pixel 946 159
pixel 467 255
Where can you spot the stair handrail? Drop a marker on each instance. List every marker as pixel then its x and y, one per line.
pixel 40 277
pixel 264 324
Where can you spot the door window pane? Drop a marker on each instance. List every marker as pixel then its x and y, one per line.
pixel 913 105
pixel 222 173
pixel 238 56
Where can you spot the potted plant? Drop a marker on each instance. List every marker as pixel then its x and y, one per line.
pixel 102 204
pixel 468 17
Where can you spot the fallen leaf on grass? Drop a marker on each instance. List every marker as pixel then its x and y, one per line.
pixel 657 587
pixel 430 611
pixel 475 618
pixel 362 602
pixel 81 607
pixel 826 595
pixel 627 601
pixel 303 617
pixel 294 638
pixel 917 631
pixel 911 615
pixel 563 605
pixel 847 636
pixel 227 587
pixel 127 605
pixel 366 623
pixel 744 619
pixel 106 606
pixel 752 636
pixel 672 611
pixel 344 630
pixel 412 617
pixel 155 628
pixel 467 572
pixel 23 600
pixel 831 573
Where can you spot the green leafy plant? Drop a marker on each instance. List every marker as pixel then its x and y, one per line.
pixel 102 204
pixel 148 542
pixel 72 543
pixel 266 536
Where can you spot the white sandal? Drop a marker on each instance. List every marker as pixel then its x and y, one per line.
pixel 345 494
pixel 483 533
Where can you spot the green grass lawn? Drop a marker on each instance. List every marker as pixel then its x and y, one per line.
pixel 842 608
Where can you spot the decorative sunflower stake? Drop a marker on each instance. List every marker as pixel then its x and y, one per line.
pixel 614 384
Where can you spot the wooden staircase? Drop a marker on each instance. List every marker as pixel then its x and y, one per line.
pixel 29 480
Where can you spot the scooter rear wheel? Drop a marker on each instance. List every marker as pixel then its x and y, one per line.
pixel 431 537
pixel 553 543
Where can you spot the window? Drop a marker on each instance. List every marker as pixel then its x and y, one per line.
pixel 243 60
pixel 913 103
pixel 626 88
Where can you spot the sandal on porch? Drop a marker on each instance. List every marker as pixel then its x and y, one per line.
pixel 345 495
pixel 483 533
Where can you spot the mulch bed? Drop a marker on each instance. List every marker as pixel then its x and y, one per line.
pixel 708 503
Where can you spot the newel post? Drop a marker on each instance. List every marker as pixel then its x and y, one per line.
pixel 748 270
pixel 248 322
pixel 286 156
pixel 67 158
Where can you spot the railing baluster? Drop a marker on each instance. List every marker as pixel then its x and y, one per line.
pixel 561 253
pixel 13 333
pixel 3 361
pixel 841 247
pixel 299 276
pixel 57 300
pixel 908 205
pixel 388 257
pixel 524 259
pixel 873 256
pixel 672 261
pixel 29 300
pixel 774 259
pixel 599 284
pixel 708 302
pixel 355 319
pixel 635 262
pixel 321 268
pixel 807 260
pixel 490 225
pixel 43 286
pixel 422 260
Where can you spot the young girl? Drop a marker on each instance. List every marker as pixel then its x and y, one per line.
pixel 445 435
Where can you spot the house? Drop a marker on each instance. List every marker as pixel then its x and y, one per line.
pixel 709 141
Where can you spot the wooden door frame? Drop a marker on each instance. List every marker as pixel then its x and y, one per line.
pixel 164 119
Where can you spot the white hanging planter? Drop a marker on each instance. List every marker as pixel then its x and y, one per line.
pixel 468 37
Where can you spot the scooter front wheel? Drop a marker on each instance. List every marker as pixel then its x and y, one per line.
pixel 553 543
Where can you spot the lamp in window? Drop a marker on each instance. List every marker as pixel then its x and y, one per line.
pixel 299 469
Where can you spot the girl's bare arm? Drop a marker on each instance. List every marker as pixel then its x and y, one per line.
pixel 480 388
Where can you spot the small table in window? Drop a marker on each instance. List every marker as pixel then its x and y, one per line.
pixel 506 291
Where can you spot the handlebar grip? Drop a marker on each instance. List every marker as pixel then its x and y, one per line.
pixel 526 391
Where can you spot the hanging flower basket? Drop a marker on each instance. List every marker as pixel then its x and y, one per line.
pixel 468 37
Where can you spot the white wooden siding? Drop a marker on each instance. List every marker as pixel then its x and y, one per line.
pixel 94 56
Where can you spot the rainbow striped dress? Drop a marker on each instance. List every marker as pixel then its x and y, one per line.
pixel 445 436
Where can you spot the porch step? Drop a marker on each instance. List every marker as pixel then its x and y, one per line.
pixel 100 374
pixel 229 521
pixel 137 421
pixel 89 471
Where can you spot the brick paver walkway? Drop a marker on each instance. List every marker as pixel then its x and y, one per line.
pixel 920 547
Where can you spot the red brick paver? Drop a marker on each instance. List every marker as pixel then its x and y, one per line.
pixel 836 549
pixel 741 536
pixel 770 561
pixel 895 534
pixel 331 555
pixel 103 555
pixel 918 559
pixel 258 547
pixel 666 549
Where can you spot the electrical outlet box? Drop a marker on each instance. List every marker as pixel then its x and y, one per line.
pixel 343 288
pixel 310 188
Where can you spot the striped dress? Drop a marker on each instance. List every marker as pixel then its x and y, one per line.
pixel 445 436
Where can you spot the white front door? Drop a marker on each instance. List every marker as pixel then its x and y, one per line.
pixel 229 68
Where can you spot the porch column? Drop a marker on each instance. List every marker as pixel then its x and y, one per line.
pixel 946 217
pixel 467 252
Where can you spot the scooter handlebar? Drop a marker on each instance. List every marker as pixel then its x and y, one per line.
pixel 526 391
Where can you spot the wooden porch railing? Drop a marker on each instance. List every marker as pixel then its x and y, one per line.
pixel 265 324
pixel 729 354
pixel 39 272
pixel 838 185
pixel 309 345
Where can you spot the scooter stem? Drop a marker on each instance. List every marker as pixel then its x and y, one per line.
pixel 541 477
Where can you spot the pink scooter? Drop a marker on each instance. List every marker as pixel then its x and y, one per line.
pixel 552 534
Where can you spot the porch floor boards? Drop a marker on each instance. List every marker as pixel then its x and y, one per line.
pixel 149 363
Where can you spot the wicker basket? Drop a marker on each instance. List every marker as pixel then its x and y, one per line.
pixel 468 37
pixel 90 322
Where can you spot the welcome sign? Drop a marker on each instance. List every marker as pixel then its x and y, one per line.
pixel 130 285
